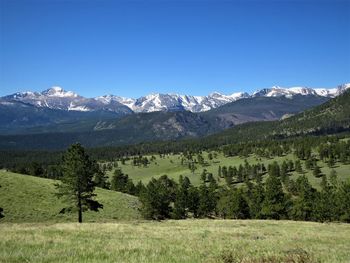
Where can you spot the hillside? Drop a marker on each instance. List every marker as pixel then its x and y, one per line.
pixel 20 117
pixel 172 167
pixel 263 108
pixel 31 199
pixel 329 118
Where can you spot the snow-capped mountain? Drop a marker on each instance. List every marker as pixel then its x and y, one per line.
pixel 277 91
pixel 174 102
pixel 58 98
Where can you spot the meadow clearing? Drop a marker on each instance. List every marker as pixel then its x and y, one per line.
pixel 172 167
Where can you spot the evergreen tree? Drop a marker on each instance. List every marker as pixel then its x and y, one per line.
pixel 317 171
pixel 333 178
pixel 204 176
pixel 304 203
pixel 274 169
pixel 77 185
pixel 139 188
pixel 274 204
pixel 284 171
pixel 219 172
pixel 207 200
pixel 156 198
pixel 325 203
pixel 298 167
pixel 222 205
pixel 119 181
pixel 238 206
pixel 100 179
pixel 193 200
pixel 255 201
pixel 181 203
pixel 344 201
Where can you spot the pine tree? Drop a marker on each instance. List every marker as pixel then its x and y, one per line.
pixel 219 171
pixel 193 200
pixel 256 199
pixel 274 205
pixel 156 198
pixel 207 200
pixel 298 167
pixel 119 181
pixel 317 171
pixel 304 203
pixel 181 203
pixel 101 180
pixel 77 185
pixel 284 172
pixel 238 206
pixel 344 201
pixel 222 205
pixel 325 203
pixel 333 178
pixel 139 188
pixel 204 176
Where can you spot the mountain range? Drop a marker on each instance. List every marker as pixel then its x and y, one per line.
pixel 52 119
pixel 59 99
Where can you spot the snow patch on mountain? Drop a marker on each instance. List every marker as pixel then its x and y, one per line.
pixel 59 92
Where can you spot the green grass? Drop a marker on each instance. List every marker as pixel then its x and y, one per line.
pixel 176 241
pixel 26 198
pixel 171 166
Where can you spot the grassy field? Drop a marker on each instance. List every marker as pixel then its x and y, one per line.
pixel 192 241
pixel 34 231
pixel 171 166
pixel 26 198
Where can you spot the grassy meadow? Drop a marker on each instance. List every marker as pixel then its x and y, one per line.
pixel 27 198
pixel 172 167
pixel 176 241
pixel 33 230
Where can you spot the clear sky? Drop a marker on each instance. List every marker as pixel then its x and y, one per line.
pixel 132 48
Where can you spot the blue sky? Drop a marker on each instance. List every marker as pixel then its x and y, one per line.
pixel 132 48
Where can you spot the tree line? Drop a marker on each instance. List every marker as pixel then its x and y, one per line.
pixel 164 198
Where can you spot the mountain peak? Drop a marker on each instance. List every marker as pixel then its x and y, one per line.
pixel 58 92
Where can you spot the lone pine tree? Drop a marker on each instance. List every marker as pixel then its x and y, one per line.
pixel 77 185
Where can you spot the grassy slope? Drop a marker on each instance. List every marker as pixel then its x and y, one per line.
pixel 171 166
pixel 31 199
pixel 176 241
